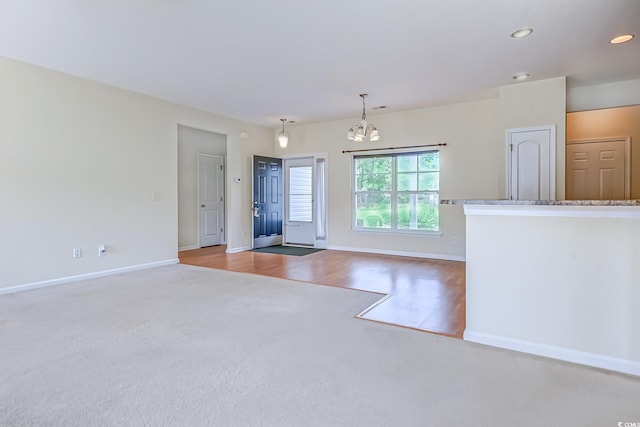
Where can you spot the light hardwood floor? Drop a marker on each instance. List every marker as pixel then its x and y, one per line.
pixel 425 294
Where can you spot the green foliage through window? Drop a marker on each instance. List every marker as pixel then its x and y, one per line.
pixel 397 191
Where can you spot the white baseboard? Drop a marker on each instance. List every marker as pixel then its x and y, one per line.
pixel 86 276
pixel 570 355
pixel 240 249
pixel 188 248
pixel 398 253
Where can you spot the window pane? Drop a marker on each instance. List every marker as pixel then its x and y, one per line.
pixel 430 161
pixel 300 207
pixel 373 182
pixel 300 190
pixel 364 165
pixel 382 164
pixel 408 163
pixel 373 210
pixel 418 211
pixel 429 181
pixel 407 181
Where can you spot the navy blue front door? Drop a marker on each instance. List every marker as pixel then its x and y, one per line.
pixel 268 201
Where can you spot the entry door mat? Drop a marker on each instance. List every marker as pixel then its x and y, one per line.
pixel 287 250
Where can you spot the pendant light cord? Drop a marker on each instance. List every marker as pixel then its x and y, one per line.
pixel 364 115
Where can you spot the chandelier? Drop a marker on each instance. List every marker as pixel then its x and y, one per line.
pixel 363 130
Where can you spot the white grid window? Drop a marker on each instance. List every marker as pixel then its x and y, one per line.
pixel 397 191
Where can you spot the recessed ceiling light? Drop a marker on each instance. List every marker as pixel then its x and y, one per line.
pixel 522 32
pixel 621 39
pixel 521 76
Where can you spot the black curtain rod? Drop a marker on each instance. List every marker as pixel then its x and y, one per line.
pixel 443 144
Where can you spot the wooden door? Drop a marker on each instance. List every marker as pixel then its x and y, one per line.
pixel 598 169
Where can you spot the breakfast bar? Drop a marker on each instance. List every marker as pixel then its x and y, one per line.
pixel 555 278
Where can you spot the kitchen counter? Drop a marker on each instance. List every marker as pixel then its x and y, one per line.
pixel 506 202
pixel 555 278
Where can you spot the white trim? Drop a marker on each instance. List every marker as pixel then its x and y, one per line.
pixel 399 253
pixel 387 231
pixel 188 248
pixel 303 156
pixel 555 211
pixel 86 276
pixel 374 305
pixel 627 157
pixel 236 250
pixel 562 353
pixel 552 157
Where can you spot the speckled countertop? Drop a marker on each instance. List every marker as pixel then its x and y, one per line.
pixel 506 202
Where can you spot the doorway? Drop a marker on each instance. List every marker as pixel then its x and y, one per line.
pixel 289 201
pixel 191 143
pixel 300 228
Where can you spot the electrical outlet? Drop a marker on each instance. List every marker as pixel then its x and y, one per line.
pixel 77 252
pixel 454 240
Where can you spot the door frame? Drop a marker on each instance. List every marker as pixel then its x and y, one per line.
pixel 224 192
pixel 319 241
pixel 627 157
pixel 552 157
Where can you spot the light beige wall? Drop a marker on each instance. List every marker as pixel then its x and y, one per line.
pixel 606 95
pixel 537 103
pixel 610 122
pixel 563 286
pixel 471 167
pixel 79 162
pixel 192 142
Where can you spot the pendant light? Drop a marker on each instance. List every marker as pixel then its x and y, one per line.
pixel 283 138
pixel 363 130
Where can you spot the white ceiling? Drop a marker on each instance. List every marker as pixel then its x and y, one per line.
pixel 259 60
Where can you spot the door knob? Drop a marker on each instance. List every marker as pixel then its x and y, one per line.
pixel 202 206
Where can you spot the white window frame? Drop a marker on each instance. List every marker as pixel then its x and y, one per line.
pixel 394 197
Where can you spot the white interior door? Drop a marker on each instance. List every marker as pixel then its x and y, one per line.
pixel 210 200
pixel 300 217
pixel 532 163
pixel 598 169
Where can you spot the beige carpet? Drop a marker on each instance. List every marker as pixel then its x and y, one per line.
pixel 189 346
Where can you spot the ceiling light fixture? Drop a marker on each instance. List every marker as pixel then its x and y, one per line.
pixel 521 76
pixel 522 32
pixel 362 130
pixel 621 39
pixel 283 138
